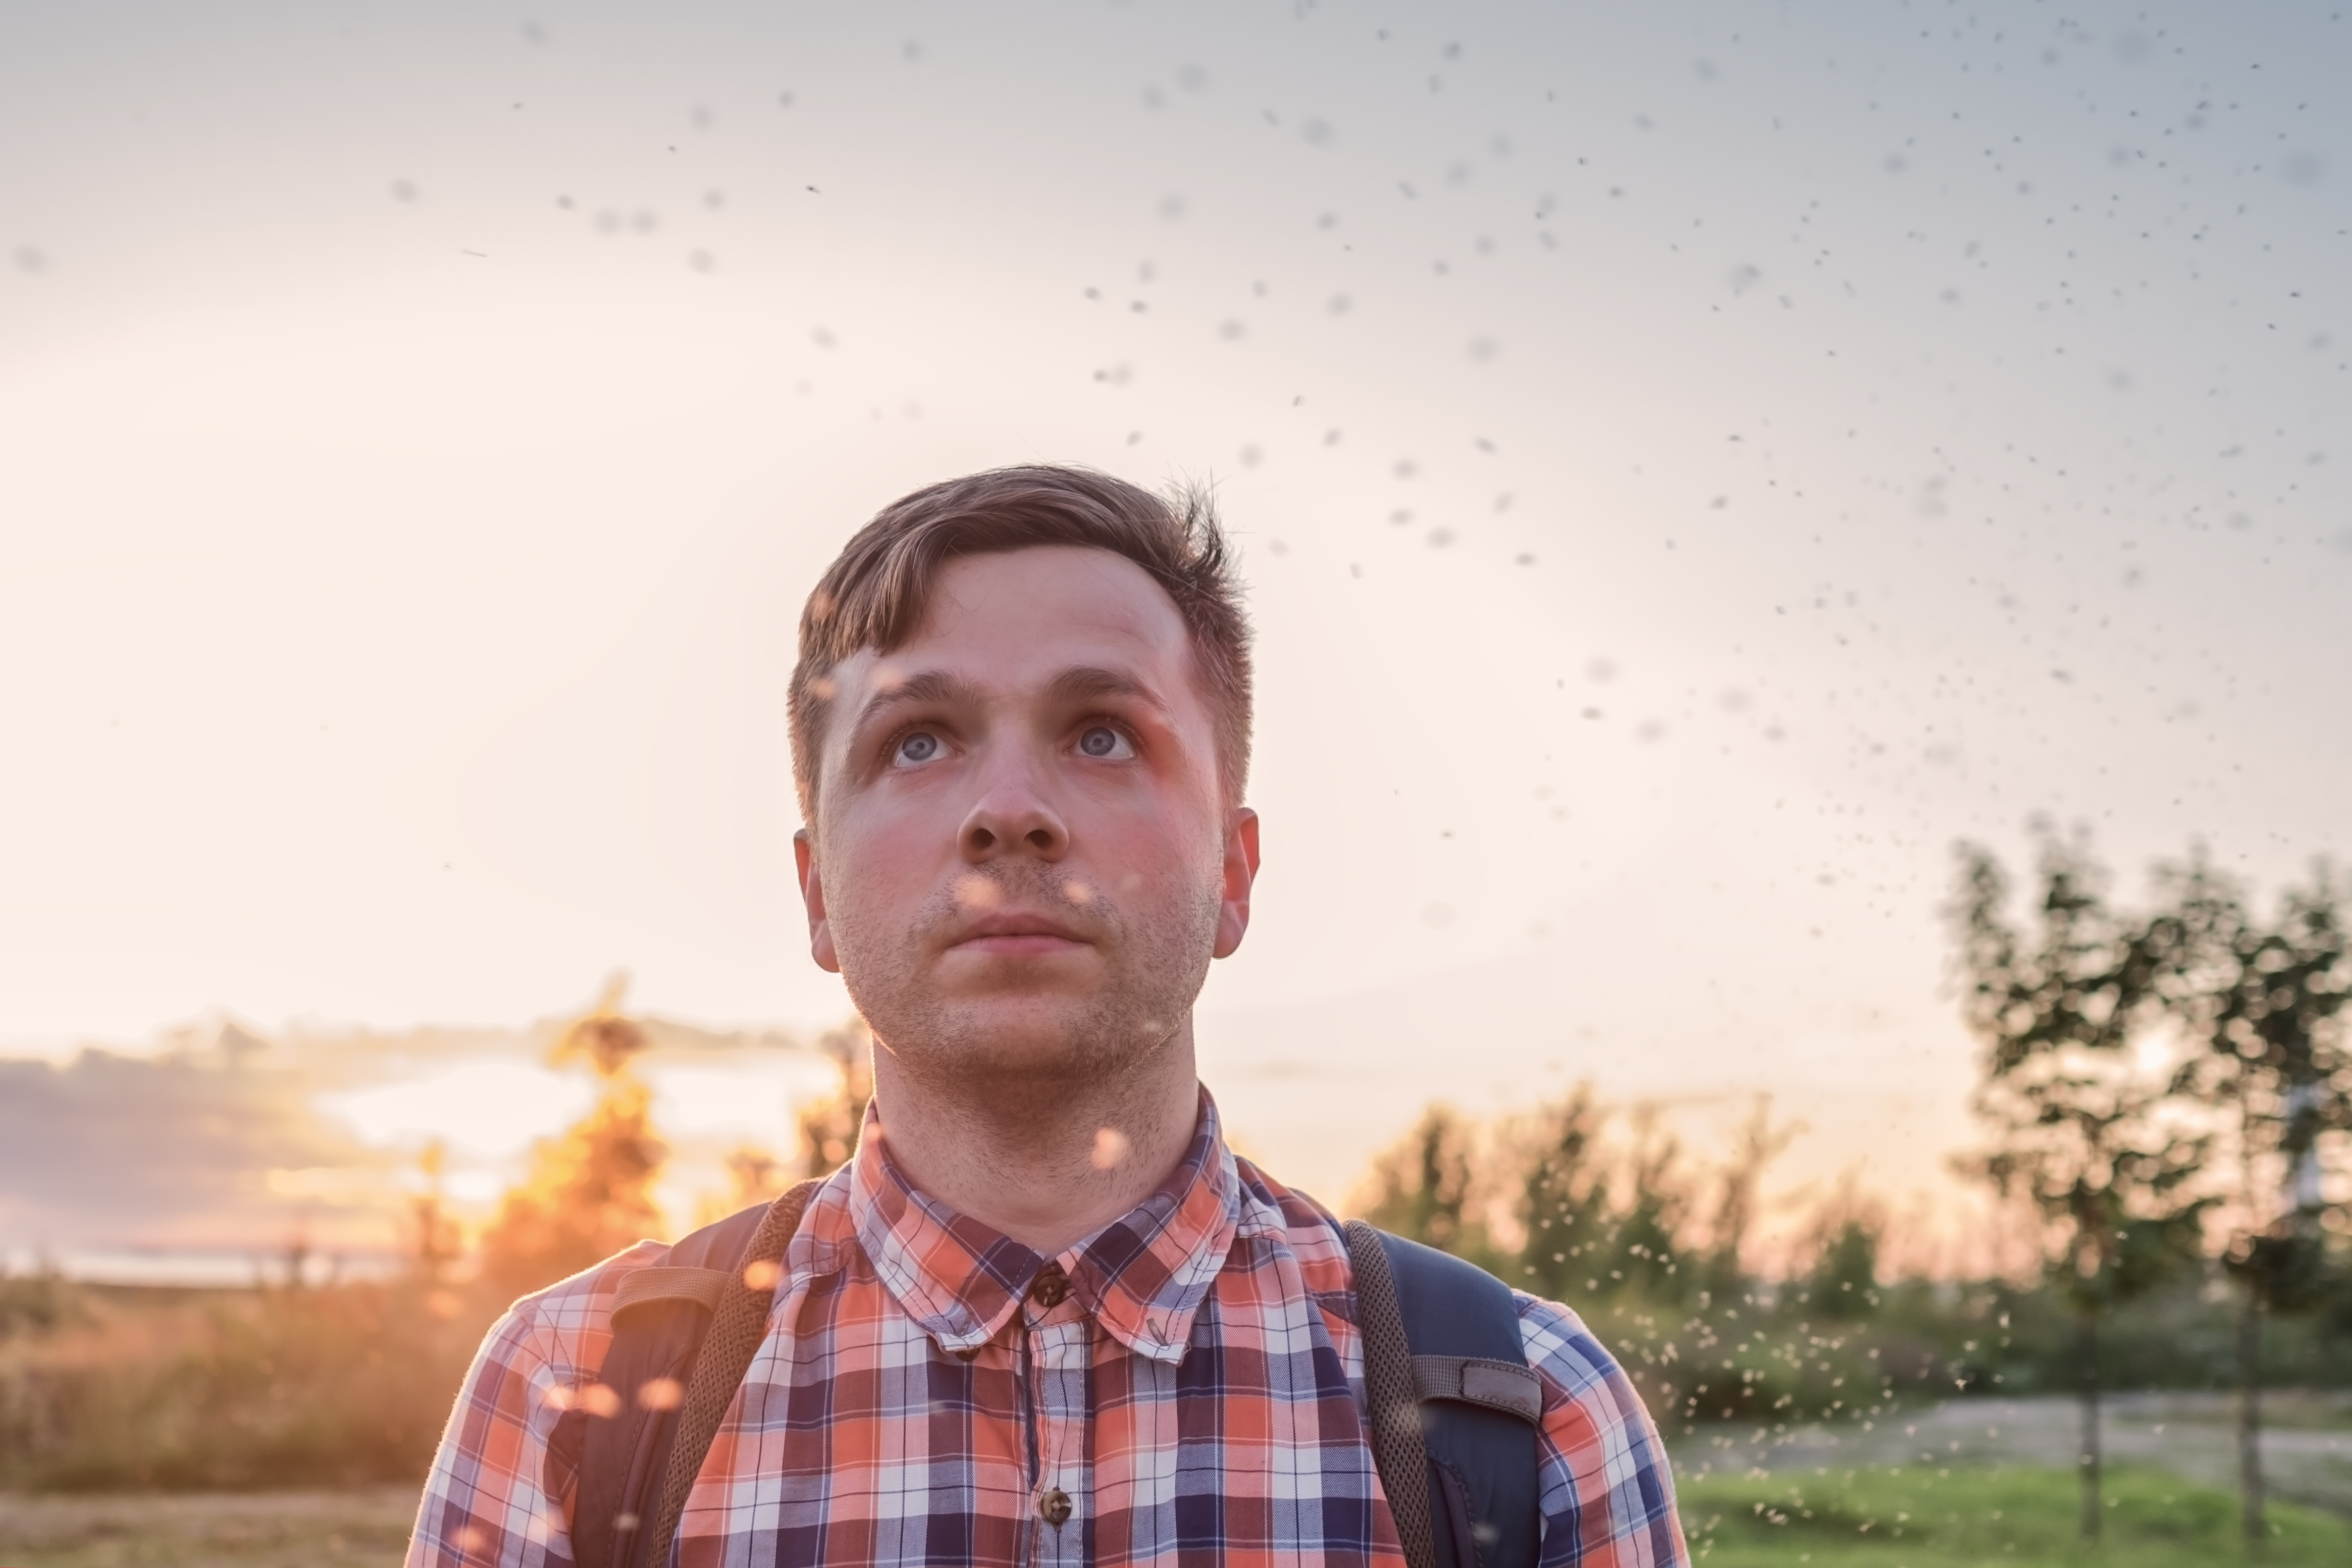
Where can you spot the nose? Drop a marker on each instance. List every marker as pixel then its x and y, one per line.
pixel 1012 818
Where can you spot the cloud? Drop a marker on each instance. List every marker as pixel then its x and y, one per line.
pixel 190 1149
pixel 222 1140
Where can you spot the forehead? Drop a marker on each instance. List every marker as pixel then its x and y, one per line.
pixel 1039 611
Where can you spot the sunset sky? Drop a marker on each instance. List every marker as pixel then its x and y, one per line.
pixel 1693 464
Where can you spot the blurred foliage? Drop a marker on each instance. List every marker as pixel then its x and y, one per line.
pixel 2085 1136
pixel 39 1304
pixel 829 1128
pixel 2165 1098
pixel 2266 1005
pixel 1847 1232
pixel 2118 1157
pixel 1650 1248
pixel 1655 1250
pixel 2085 1139
pixel 589 1193
pixel 279 1386
pixel 350 1383
pixel 1601 1208
pixel 1421 1186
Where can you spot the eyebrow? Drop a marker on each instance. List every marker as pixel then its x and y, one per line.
pixel 935 686
pixel 1080 683
pixel 1083 683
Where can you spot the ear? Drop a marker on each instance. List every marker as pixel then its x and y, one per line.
pixel 813 900
pixel 1241 871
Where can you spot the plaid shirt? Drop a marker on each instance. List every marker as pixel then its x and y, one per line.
pixel 1196 1392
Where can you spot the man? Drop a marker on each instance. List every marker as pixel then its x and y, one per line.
pixel 1044 1315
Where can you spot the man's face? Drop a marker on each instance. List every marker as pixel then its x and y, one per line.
pixel 1023 860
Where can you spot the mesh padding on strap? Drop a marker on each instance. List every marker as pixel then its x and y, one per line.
pixel 738 1324
pixel 1397 1447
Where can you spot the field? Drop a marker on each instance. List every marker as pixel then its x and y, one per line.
pixel 1958 1518
pixel 1990 1481
pixel 1974 1481
pixel 1947 1518
pixel 362 1528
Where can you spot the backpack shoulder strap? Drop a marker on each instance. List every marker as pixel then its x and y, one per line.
pixel 738 1324
pixel 1397 1450
pixel 661 1317
pixel 1446 1372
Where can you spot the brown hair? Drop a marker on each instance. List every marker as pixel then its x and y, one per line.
pixel 875 593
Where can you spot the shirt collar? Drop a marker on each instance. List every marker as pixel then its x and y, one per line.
pixel 1143 1276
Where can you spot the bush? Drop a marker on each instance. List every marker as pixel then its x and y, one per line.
pixel 274 1387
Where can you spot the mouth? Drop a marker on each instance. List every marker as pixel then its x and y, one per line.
pixel 1013 933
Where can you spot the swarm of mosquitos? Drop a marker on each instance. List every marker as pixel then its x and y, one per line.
pixel 1849 1383
pixel 2163 1096
pixel 2158 1091
pixel 1857 1380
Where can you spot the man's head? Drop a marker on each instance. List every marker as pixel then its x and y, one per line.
pixel 1020 732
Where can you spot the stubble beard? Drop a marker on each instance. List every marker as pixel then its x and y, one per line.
pixel 1036 1056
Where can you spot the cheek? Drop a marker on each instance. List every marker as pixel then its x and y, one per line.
pixel 1156 849
pixel 871 871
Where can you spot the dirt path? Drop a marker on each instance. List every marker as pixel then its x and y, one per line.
pixel 2306 1447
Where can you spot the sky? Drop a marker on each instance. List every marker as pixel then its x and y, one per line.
pixel 1693 465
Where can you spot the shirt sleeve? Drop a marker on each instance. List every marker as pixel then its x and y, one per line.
pixel 1603 1486
pixel 500 1489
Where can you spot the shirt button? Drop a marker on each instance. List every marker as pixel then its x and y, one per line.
pixel 1053 1508
pixel 1049 1290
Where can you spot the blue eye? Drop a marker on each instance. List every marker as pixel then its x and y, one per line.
pixel 1105 743
pixel 920 747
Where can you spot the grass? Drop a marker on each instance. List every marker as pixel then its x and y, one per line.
pixel 1922 1518
pixel 158 1391
pixel 2016 1518
pixel 356 1529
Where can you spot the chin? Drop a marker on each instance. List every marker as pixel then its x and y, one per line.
pixel 1022 1038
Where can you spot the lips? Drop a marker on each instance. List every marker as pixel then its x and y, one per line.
pixel 1016 933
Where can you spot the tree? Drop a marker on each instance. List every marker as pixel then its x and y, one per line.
pixel 2266 1007
pixel 1723 1270
pixel 589 1193
pixel 1642 1258
pixel 2082 1136
pixel 1424 1187
pixel 1842 1282
pixel 434 1244
pixel 1563 1201
pixel 830 1127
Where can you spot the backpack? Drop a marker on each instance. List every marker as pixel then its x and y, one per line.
pixel 1454 1405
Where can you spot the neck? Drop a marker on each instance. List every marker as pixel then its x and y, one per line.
pixel 1043 1167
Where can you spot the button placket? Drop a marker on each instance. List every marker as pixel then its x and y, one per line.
pixel 1061 1336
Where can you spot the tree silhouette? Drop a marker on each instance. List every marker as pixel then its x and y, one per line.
pixel 829 1128
pixel 589 1193
pixel 1564 1198
pixel 1723 1271
pixel 2082 1135
pixel 1842 1282
pixel 434 1242
pixel 1643 1256
pixel 1424 1187
pixel 2266 1006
